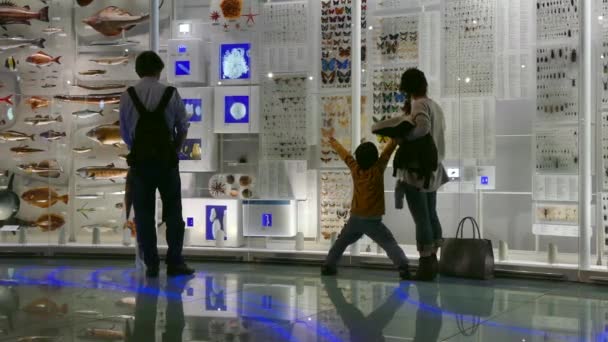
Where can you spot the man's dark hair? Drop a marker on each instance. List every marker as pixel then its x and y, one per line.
pixel 366 155
pixel 148 64
pixel 413 83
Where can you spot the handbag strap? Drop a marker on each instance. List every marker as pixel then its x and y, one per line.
pixel 476 322
pixel 460 230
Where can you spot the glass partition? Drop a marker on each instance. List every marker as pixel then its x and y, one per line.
pixel 265 83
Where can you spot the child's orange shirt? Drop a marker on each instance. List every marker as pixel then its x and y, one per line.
pixel 368 192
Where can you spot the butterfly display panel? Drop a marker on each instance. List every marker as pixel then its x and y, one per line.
pixel 557 19
pixel 336 122
pixel 557 150
pixel 285 37
pixel 388 101
pixel 469 51
pixel 336 30
pixel 557 83
pixel 335 201
pixel 284 118
pixel 396 39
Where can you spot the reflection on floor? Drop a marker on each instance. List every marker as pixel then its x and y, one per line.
pixel 67 300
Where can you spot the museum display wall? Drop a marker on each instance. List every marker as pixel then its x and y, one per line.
pixel 266 83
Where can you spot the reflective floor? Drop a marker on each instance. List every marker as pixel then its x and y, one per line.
pixel 67 300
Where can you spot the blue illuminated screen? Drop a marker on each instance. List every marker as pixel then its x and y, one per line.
pixel 236 109
pixel 235 61
pixel 182 68
pixel 266 220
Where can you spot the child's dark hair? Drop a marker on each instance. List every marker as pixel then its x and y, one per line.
pixel 366 155
pixel 148 64
pixel 413 82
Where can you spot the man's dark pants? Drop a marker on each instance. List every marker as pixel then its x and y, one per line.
pixel 148 178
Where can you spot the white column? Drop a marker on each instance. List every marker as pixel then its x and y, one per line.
pixel 585 133
pixel 154 26
pixel 356 87
pixel 356 73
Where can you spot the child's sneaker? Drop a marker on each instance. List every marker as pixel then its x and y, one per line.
pixel 328 271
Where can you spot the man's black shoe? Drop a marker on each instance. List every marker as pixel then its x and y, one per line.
pixel 179 270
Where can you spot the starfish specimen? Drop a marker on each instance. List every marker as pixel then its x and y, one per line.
pixel 250 17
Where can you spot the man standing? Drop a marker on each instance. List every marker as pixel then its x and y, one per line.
pixel 154 126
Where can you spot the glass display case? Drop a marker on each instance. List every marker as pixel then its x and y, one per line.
pixel 265 83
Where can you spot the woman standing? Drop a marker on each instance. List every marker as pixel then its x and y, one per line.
pixel 422 200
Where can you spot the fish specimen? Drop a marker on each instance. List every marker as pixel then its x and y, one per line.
pixel 112 21
pixel 40 120
pixel 37 102
pixel 109 172
pixel 41 58
pixel 87 113
pixel 52 135
pixel 102 334
pixel 84 210
pixel 49 222
pixel 89 196
pixel 48 85
pixel 52 30
pixel 15 136
pixel 6 99
pixel 92 72
pixel 107 135
pixel 43 197
pixel 112 98
pixel 7 43
pixel 119 42
pixel 119 317
pixel 126 301
pixel 13 14
pixel 11 63
pixel 81 150
pixel 45 307
pixel 46 168
pixel 38 339
pixel 9 201
pixel 108 86
pixel 110 60
pixel 25 149
pixel 88 313
pixel 102 227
